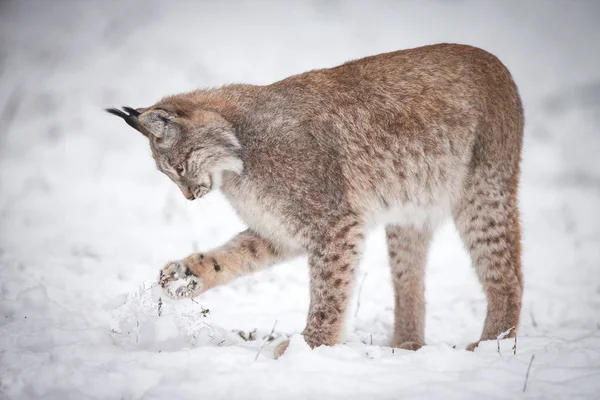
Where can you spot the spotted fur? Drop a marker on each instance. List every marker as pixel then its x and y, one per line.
pixel 311 162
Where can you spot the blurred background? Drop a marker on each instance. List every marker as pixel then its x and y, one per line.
pixel 85 218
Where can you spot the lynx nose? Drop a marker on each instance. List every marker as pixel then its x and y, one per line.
pixel 187 193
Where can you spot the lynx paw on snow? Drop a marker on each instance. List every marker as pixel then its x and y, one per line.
pixel 178 282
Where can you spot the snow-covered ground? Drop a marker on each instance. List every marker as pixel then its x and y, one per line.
pixel 86 221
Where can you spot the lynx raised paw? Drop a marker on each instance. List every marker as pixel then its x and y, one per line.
pixel 178 282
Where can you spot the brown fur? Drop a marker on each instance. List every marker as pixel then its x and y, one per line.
pixel 311 162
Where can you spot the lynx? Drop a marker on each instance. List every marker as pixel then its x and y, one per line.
pixel 312 162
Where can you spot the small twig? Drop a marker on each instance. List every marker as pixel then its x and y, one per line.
pixel 502 336
pixel 9 111
pixel 160 304
pixel 527 374
pixel 144 290
pixel 137 331
pixel 221 342
pixel 264 343
pixel 533 320
pixel 204 311
pixel 515 346
pixel 359 292
pixel 371 340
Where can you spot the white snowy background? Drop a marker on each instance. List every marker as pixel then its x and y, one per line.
pixel 86 221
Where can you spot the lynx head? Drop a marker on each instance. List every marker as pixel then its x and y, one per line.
pixel 192 146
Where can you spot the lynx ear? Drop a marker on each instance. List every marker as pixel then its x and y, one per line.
pixel 158 122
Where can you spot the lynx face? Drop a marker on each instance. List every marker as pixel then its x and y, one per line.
pixel 193 148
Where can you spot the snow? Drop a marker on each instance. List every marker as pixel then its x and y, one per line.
pixel 86 221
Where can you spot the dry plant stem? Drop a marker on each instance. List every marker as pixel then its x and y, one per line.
pixel 265 341
pixel 527 374
pixel 504 335
pixel 533 320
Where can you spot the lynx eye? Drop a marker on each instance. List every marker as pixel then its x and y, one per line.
pixel 180 168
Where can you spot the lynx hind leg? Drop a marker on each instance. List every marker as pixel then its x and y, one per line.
pixel 407 250
pixel 487 219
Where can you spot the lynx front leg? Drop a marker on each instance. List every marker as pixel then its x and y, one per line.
pixel 245 253
pixel 332 264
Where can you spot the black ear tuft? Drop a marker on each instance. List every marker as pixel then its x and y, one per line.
pixel 131 111
pixel 130 117
pixel 116 111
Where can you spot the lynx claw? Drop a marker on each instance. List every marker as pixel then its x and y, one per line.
pixel 178 282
